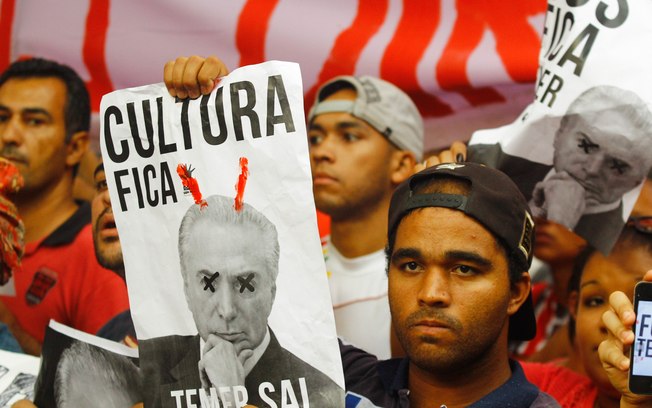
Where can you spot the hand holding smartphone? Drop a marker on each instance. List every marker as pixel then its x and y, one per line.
pixel 640 369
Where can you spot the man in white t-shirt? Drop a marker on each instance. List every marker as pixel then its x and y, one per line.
pixel 365 137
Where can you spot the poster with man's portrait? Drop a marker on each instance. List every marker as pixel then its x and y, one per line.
pixel 17 376
pixel 213 203
pixel 82 370
pixel 582 149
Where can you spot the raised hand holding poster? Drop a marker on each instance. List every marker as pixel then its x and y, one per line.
pixel 213 202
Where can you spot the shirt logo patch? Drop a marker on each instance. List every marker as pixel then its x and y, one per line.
pixel 44 280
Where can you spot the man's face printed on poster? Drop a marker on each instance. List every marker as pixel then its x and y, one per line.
pixel 229 287
pixel 595 150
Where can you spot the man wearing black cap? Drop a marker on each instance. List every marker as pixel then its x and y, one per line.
pixel 459 247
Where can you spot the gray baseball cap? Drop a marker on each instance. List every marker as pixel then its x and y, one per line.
pixel 381 104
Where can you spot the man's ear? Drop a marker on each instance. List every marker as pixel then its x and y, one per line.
pixel 403 163
pixel 520 290
pixel 76 147
pixel 573 302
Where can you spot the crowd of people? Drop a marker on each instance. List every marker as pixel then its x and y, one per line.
pixel 429 262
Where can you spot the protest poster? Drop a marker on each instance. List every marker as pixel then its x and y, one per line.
pixel 213 203
pixel 581 150
pixel 82 370
pixel 17 376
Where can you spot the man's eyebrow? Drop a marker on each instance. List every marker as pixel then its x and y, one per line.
pixel 469 256
pixel 99 168
pixel 349 124
pixel 206 272
pixel 587 137
pixel 37 111
pixel 315 126
pixel 589 140
pixel 246 273
pixel 403 253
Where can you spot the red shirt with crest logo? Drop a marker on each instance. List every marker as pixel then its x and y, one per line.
pixel 61 279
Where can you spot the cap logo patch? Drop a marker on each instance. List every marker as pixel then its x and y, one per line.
pixel 525 244
pixel 371 92
pixel 449 166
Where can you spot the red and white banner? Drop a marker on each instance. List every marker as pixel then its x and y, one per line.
pixel 468 64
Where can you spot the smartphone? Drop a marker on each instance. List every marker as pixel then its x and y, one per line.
pixel 640 368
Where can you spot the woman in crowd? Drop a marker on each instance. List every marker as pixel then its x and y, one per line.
pixel 594 278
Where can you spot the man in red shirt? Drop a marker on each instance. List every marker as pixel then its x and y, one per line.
pixel 44 122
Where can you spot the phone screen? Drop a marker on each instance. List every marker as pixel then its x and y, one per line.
pixel 642 353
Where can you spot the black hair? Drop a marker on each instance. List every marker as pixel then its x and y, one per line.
pixel 449 185
pixel 77 110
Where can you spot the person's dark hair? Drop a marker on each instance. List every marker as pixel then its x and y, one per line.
pixel 448 185
pixel 77 111
pixel 629 238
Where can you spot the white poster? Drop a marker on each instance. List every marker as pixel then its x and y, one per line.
pixel 581 150
pixel 82 370
pixel 213 203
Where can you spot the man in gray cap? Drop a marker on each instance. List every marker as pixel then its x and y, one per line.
pixel 365 137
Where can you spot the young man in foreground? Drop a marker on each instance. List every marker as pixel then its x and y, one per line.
pixel 459 247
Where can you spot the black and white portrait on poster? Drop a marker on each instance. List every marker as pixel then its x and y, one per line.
pixel 582 149
pixel 17 377
pixel 82 370
pixel 212 200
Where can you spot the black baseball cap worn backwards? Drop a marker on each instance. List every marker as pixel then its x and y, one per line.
pixel 495 202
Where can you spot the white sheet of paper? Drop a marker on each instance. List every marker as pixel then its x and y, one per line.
pixel 148 198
